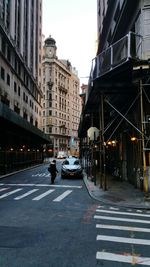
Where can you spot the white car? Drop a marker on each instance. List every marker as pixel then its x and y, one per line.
pixel 61 155
pixel 71 167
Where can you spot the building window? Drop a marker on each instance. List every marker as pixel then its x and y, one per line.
pixel 8 79
pixel 2 73
pixel 31 120
pixel 26 99
pixel 17 110
pixel 25 116
pixel 8 54
pixel 16 65
pixel 18 90
pixel 15 87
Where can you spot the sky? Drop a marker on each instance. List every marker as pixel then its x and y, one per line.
pixel 73 25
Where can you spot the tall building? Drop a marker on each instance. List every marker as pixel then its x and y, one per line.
pixel 118 94
pixel 61 100
pixel 20 80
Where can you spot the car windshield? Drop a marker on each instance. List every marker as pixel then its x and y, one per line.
pixel 71 162
pixel 76 162
pixel 66 162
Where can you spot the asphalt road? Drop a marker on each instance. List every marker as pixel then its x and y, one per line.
pixel 60 225
pixel 44 225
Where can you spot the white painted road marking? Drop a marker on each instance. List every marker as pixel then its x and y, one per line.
pixel 26 194
pixel 10 193
pixel 120 219
pixel 123 240
pixel 113 215
pixel 66 193
pixel 123 258
pixel 3 189
pixel 41 174
pixel 112 208
pixel 124 228
pixel 44 194
pixel 123 213
pixel 48 185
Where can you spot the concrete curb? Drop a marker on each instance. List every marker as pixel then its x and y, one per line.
pixel 94 192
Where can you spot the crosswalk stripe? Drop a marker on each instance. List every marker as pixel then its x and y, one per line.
pixel 123 240
pixel 46 185
pixel 123 258
pixel 66 193
pixel 59 198
pixel 26 194
pixel 124 228
pixel 44 194
pixel 123 213
pixel 112 208
pixel 120 219
pixel 10 193
pixel 3 189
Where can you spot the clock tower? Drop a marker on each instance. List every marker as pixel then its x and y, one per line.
pixel 50 47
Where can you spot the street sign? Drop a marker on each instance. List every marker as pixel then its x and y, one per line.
pixel 93 133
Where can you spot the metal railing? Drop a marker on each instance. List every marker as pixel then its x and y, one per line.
pixel 130 46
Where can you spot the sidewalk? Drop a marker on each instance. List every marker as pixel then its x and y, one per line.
pixel 118 193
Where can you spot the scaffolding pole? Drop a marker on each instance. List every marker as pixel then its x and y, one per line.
pixel 145 177
pixel 100 149
pixel 103 142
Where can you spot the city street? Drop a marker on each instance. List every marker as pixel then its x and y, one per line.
pixel 75 133
pixel 44 225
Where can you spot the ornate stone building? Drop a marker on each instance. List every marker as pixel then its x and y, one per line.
pixel 61 101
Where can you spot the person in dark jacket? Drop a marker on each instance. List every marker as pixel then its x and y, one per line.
pixel 53 170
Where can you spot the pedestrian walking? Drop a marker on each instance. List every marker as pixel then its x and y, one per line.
pixel 53 170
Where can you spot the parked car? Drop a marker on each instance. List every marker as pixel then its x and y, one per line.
pixel 71 167
pixel 61 155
